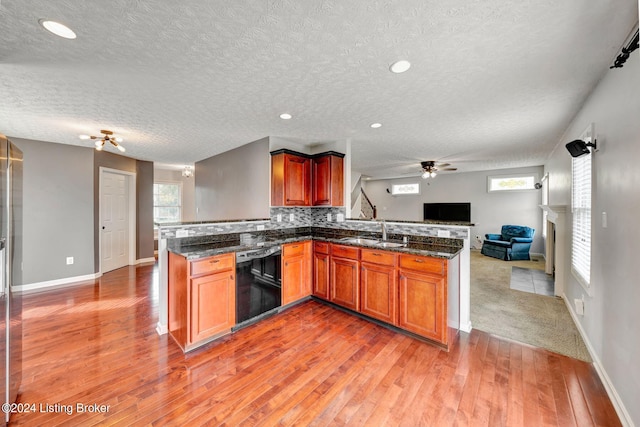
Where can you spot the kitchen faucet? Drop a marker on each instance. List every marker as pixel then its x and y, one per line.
pixel 384 229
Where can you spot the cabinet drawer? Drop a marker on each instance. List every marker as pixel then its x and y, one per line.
pixel 212 264
pixel 345 251
pixel 424 264
pixel 321 247
pixel 292 249
pixel 378 257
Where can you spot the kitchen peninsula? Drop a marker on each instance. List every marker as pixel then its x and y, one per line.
pixel 345 263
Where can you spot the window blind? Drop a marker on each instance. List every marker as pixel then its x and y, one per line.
pixel 581 210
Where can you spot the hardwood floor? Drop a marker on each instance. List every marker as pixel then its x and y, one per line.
pixel 311 365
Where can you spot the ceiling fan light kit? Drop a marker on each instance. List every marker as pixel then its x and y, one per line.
pixel 430 168
pixel 107 136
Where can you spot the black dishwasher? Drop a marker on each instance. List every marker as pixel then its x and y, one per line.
pixel 258 283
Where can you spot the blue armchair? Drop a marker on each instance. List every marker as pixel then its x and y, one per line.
pixel 512 243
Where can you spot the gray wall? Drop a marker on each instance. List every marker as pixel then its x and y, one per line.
pixel 234 184
pixel 61 199
pixel 188 190
pixel 144 210
pixel 489 211
pixel 58 210
pixel 611 314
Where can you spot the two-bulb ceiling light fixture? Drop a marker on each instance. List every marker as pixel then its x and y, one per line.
pixel 107 136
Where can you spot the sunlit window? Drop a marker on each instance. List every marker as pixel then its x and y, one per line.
pixel 400 189
pixel 511 182
pixel 167 202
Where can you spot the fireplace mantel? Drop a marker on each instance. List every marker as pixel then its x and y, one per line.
pixel 556 245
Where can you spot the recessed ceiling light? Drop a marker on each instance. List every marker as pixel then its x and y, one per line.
pixel 58 29
pixel 84 136
pixel 285 116
pixel 376 125
pixel 400 66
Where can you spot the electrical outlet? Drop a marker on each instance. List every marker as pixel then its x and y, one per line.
pixel 260 227
pixel 340 217
pixel 329 217
pixel 279 218
pixel 579 303
pixel 69 260
pixel 444 233
pixel 182 233
pixel 291 217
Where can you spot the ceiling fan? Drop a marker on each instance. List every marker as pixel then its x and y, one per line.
pixel 431 167
pixel 107 136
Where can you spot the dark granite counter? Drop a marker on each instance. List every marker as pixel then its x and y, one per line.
pixel 432 222
pixel 202 247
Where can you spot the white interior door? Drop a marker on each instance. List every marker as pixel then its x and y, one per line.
pixel 114 206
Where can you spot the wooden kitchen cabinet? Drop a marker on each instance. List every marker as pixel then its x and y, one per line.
pixel 290 179
pixel 345 276
pixel 423 296
pixel 379 285
pixel 327 179
pixel 296 271
pixel 321 276
pixel 202 303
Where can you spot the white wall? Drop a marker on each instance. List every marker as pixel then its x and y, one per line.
pixel 188 190
pixel 611 316
pixel 489 211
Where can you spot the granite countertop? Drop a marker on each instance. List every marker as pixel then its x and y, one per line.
pixel 432 247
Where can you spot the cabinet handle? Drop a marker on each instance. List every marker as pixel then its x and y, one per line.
pixel 376 254
pixel 294 246
pixel 230 277
pixel 418 260
pixel 214 261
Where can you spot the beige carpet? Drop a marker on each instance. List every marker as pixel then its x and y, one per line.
pixel 539 320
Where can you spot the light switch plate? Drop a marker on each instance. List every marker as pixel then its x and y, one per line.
pixel 182 233
pixel 444 233
pixel 340 217
pixel 260 227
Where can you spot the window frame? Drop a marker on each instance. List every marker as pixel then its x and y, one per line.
pixel 581 219
pixel 533 176
pixel 394 186
pixel 179 184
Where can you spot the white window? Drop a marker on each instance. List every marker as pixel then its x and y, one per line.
pixel 581 210
pixel 511 182
pixel 167 202
pixel 400 189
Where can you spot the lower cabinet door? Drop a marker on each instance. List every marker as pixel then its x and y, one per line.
pixel 422 305
pixel 345 283
pixel 321 275
pixel 293 279
pixel 378 292
pixel 212 305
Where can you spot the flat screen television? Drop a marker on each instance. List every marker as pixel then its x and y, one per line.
pixel 460 212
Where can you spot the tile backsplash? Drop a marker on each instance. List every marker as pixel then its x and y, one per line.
pixel 295 217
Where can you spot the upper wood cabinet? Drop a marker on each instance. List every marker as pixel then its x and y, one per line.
pixel 290 179
pixel 327 180
pixel 302 180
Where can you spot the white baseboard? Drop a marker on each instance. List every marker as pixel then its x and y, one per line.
pixel 624 416
pixel 143 260
pixel 162 329
pixel 67 281
pixel 466 327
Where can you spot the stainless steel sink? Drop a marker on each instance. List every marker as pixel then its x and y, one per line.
pixel 390 244
pixel 360 241
pixel 372 242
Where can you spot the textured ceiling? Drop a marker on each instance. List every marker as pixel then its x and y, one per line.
pixel 491 85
